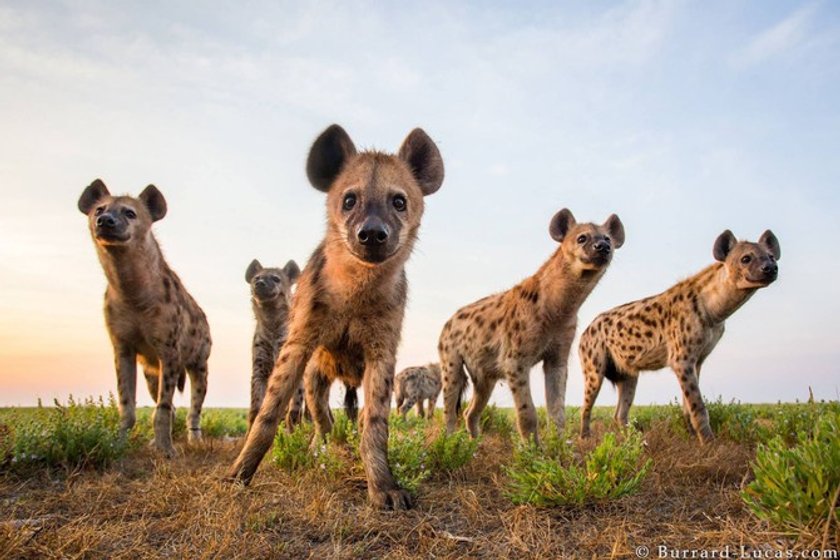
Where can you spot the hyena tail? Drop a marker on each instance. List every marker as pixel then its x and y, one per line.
pixel 351 403
pixel 462 395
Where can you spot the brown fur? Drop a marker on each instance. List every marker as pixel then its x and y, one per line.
pixel 414 385
pixel 347 313
pixel 677 328
pixel 148 312
pixel 504 335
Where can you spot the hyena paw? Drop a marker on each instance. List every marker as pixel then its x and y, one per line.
pixel 166 450
pixel 394 498
pixel 194 436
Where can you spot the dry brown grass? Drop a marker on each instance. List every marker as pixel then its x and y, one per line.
pixel 146 507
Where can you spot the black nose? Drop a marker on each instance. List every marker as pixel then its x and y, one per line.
pixel 602 247
pixel 373 232
pixel 106 220
pixel 259 283
pixel 770 268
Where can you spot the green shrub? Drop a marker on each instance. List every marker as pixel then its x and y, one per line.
pixel 644 417
pixel 735 421
pixel 221 422
pixel 408 457
pixel 291 450
pixel 495 420
pixel 344 431
pixel 552 476
pixel 795 488
pixel 448 453
pixel 71 436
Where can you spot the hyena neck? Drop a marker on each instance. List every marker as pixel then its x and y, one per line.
pixel 562 287
pixel 135 273
pixel 719 295
pixel 271 315
pixel 350 280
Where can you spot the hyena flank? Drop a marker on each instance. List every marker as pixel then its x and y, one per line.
pixel 148 312
pixel 677 328
pixel 414 385
pixel 504 335
pixel 347 313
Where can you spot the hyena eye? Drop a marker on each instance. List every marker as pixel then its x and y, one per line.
pixel 349 201
pixel 746 259
pixel 275 278
pixel 99 211
pixel 131 214
pixel 581 239
pixel 399 203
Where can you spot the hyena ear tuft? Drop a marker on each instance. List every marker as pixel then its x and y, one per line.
pixel 560 224
pixel 154 201
pixel 92 194
pixel 423 158
pixel 252 270
pixel 292 270
pixel 769 241
pixel 616 229
pixel 723 245
pixel 327 157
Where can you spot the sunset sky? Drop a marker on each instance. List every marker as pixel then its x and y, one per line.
pixel 685 118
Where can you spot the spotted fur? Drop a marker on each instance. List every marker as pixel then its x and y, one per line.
pixel 414 385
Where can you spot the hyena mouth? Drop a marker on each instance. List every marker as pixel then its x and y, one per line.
pixel 110 236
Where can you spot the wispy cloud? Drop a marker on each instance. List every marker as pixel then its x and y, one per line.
pixel 778 39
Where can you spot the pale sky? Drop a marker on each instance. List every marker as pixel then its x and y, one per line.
pixel 685 118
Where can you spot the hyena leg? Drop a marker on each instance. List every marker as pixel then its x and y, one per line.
pixel 317 401
pixel 626 392
pixel 297 408
pixel 687 376
pixel 152 375
pixel 126 365
pixel 260 372
pixel 198 390
pixel 406 406
pixel 454 380
pixel 170 372
pixel 482 389
pixel 383 490
pixel 430 409
pixel 593 364
pixel 284 380
pixel 420 411
pixel 526 414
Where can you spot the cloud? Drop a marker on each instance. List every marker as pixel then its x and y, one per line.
pixel 778 39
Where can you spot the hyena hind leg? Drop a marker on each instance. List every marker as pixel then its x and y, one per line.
pixel 198 390
pixel 594 365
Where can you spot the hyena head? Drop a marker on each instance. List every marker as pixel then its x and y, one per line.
pixel 120 220
pixel 749 265
pixel 374 200
pixel 589 246
pixel 272 284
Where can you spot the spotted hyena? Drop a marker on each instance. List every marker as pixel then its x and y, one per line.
pixel 148 312
pixel 677 328
pixel 504 335
pixel 347 313
pixel 413 385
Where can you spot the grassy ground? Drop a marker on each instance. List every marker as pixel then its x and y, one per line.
pixel 142 506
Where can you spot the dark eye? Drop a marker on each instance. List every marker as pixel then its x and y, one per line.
pixel 99 211
pixel 275 278
pixel 771 257
pixel 399 203
pixel 349 201
pixel 746 259
pixel 131 214
pixel 581 239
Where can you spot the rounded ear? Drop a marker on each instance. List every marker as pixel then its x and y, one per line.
pixel 771 244
pixel 560 225
pixel 92 194
pixel 327 157
pixel 616 229
pixel 723 245
pixel 292 270
pixel 154 202
pixel 253 268
pixel 423 158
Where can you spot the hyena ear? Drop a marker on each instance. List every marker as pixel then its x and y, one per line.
pixel 769 241
pixel 327 157
pixel 292 270
pixel 616 229
pixel 92 194
pixel 423 158
pixel 252 270
pixel 154 201
pixel 723 244
pixel 560 224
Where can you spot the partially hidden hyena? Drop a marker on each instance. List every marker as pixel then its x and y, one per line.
pixel 677 328
pixel 148 312
pixel 271 297
pixel 413 385
pixel 504 335
pixel 347 313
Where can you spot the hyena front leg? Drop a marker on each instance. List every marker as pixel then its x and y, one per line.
pixel 126 365
pixel 170 372
pixel 482 389
pixel 285 378
pixel 405 407
pixel 626 392
pixel 262 365
pixel 556 371
pixel 198 390
pixel 526 414
pixel 687 375
pixel 383 490
pixel 297 409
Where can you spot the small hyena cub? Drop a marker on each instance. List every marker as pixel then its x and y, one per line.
pixel 271 297
pixel 347 313
pixel 677 328
pixel 148 312
pixel 413 385
pixel 504 335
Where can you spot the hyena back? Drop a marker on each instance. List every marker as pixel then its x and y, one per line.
pixel 414 385
pixel 504 335
pixel 148 312
pixel 678 328
pixel 347 313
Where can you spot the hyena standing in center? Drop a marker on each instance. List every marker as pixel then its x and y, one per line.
pixel 504 335
pixel 347 313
